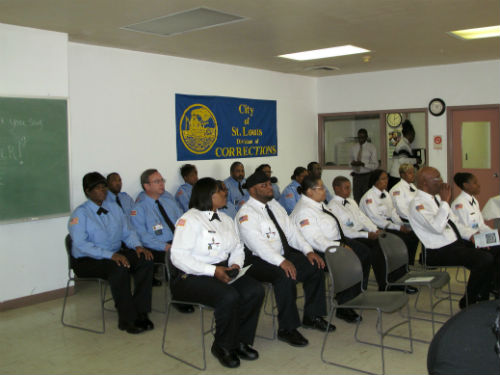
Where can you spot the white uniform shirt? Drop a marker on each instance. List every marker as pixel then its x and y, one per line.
pixel 259 234
pixel 430 222
pixel 380 210
pixel 354 222
pixel 368 156
pixel 200 243
pixel 491 209
pixel 402 195
pixel 403 151
pixel 319 229
pixel 466 208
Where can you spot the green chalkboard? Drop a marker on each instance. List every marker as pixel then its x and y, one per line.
pixel 34 168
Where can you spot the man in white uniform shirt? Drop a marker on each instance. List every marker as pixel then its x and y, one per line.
pixel 404 191
pixel 280 255
pixel 363 161
pixel 443 236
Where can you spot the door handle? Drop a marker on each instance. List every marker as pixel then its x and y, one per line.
pixel 495 175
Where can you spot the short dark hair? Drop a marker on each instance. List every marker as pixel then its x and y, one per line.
pixel 234 165
pixel 201 197
pixel 461 178
pixel 311 165
pixel 261 167
pixel 375 175
pixel 308 182
pixel 108 177
pixel 297 172
pixel 363 130
pixel 186 169
pixel 339 180
pixel 407 127
pixel 145 176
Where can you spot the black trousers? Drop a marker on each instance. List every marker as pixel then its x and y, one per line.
pixel 237 305
pixel 285 288
pixel 411 242
pixel 128 305
pixel 479 262
pixel 360 185
pixel 378 263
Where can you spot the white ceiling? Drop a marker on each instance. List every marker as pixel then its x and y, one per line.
pixel 400 33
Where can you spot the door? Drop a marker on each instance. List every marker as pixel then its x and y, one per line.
pixel 475 147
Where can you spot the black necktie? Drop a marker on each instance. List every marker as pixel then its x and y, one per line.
pixel 102 210
pixel 345 202
pixel 240 189
pixel 472 202
pixel 342 237
pixel 215 217
pixel 165 216
pixel 382 196
pixel 451 224
pixel 412 189
pixel 118 202
pixel 284 242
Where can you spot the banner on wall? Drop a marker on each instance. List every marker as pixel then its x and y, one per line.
pixel 217 127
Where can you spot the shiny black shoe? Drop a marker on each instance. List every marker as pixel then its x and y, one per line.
pixel 245 351
pixel 400 288
pixel 130 328
pixel 183 308
pixel 144 323
pixel 348 315
pixel 227 358
pixel 462 303
pixel 292 337
pixel 318 323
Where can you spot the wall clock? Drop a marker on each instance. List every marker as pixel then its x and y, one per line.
pixel 437 107
pixel 394 119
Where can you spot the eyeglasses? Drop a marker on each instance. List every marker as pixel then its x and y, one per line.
pixel 319 188
pixel 161 181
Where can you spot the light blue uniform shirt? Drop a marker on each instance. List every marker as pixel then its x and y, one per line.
pixel 290 196
pixel 276 191
pixel 165 195
pixel 100 236
pixel 126 201
pixel 152 229
pixel 328 195
pixel 230 210
pixel 234 195
pixel 183 195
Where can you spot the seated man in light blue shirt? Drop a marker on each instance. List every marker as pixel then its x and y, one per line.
pixel 154 218
pixel 116 195
pixel 237 195
pixel 190 175
pixel 98 228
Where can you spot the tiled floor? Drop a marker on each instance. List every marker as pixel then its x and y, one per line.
pixel 33 341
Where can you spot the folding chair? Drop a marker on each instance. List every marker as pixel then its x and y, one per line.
pixel 396 256
pixel 345 272
pixel 103 284
pixel 270 296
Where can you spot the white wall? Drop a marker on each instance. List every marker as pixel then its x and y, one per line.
pixel 460 84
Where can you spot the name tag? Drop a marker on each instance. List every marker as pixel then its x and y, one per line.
pixel 158 229
pixel 350 223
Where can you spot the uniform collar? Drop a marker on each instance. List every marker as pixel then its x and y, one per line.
pixel 257 203
pixel 311 202
pixel 377 191
pixel 338 198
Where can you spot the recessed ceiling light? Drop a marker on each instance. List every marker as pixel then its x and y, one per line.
pixel 324 53
pixel 479 33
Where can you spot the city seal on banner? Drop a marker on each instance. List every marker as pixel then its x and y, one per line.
pixel 198 128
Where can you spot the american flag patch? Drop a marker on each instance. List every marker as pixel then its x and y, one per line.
pixel 304 222
pixel 289 195
pixel 243 219
pixel 181 222
pixel 180 192
pixel 397 192
pixel 420 207
pixel 133 213
pixel 368 201
pixel 73 221
pixel 459 206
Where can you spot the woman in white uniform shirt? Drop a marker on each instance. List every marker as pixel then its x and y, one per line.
pixel 467 209
pixel 205 246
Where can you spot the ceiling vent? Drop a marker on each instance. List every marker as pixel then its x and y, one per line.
pixel 323 68
pixel 185 21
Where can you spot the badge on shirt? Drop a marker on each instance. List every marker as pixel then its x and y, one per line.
pixel 420 207
pixel 396 193
pixel 133 213
pixel 243 219
pixel 213 246
pixel 158 229
pixel 181 222
pixel 475 225
pixel 304 222
pixel 270 234
pixel 369 201
pixel 289 195
pixel 350 223
pixel 180 192
pixel 73 221
pixel 459 206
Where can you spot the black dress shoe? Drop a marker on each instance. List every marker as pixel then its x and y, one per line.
pixel 156 282
pixel 130 328
pixel 144 323
pixel 184 308
pixel 245 351
pixel 318 323
pixel 349 315
pixel 227 358
pixel 292 337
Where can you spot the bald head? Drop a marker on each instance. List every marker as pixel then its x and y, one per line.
pixel 429 180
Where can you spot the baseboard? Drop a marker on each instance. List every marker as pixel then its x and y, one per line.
pixel 34 299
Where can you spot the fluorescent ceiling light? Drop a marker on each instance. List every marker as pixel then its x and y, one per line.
pixel 479 33
pixel 324 53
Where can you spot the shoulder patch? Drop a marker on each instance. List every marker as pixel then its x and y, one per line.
pixel 304 222
pixel 369 201
pixel 396 193
pixel 289 195
pixel 459 206
pixel 181 222
pixel 73 221
pixel 243 219
pixel 420 207
pixel 133 213
pixel 180 192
